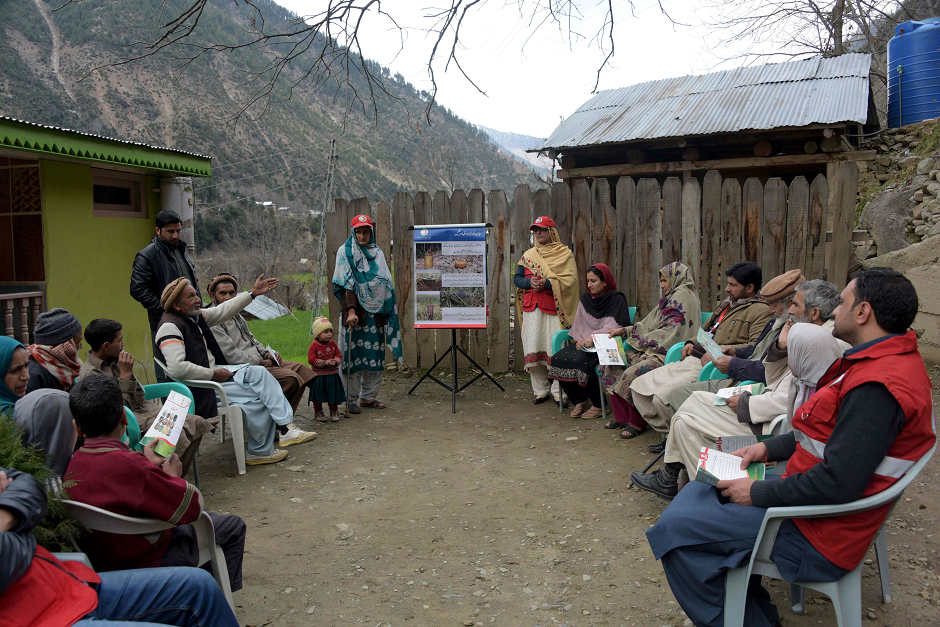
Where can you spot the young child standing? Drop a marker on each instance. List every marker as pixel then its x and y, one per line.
pixel 325 358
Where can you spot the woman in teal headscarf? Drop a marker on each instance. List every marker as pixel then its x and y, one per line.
pixel 13 365
pixel 363 285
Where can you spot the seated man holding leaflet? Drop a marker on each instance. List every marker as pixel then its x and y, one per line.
pixel 107 474
pixel 867 424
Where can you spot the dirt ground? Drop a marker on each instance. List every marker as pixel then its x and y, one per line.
pixel 505 513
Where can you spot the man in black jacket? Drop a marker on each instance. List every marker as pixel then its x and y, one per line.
pixel 163 261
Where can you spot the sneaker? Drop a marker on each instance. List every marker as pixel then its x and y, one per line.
pixel 256 460
pixel 334 415
pixel 295 435
pixel 320 416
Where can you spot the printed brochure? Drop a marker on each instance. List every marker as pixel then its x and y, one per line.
pixel 167 427
pixel 715 466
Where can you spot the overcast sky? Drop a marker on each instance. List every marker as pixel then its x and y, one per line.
pixel 531 84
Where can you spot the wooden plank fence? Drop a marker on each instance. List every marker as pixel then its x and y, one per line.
pixel 636 226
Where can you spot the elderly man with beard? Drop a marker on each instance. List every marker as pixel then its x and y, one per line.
pixel 187 346
pixel 239 345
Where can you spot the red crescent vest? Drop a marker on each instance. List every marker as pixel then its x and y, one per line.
pixel 896 363
pixel 544 299
pixel 49 594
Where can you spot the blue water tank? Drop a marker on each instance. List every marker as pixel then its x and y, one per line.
pixel 914 72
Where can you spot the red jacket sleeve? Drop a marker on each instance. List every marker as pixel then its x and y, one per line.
pixel 312 354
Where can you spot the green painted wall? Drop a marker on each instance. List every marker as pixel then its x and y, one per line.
pixel 89 259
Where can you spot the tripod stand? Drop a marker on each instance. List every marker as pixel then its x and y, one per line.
pixel 453 388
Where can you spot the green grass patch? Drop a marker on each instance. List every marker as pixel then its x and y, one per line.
pixel 285 335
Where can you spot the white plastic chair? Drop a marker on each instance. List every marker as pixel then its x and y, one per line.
pixel 232 412
pixel 98 519
pixel 846 594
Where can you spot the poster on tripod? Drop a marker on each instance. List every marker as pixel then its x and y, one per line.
pixel 450 276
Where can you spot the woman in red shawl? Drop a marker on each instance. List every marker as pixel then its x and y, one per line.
pixel 601 309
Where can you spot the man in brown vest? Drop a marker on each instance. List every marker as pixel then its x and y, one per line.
pixel 189 350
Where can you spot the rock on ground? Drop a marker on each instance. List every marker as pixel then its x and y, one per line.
pixel 886 218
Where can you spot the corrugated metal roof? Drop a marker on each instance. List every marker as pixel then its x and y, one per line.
pixel 264 308
pixel 797 93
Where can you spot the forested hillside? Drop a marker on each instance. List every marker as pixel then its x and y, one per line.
pixel 47 54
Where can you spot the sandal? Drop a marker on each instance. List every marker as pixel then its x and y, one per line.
pixel 591 414
pixel 629 432
pixel 580 409
pixel 374 404
pixel 613 424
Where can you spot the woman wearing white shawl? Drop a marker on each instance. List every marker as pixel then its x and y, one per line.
pixel 363 285
pixel 811 349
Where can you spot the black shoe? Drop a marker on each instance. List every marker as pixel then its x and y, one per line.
pixel 538 400
pixel 661 483
pixel 657 448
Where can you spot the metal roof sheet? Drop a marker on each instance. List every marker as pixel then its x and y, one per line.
pixel 264 308
pixel 797 93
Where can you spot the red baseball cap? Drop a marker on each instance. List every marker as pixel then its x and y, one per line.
pixel 543 222
pixel 361 220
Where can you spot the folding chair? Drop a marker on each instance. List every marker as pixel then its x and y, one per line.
pixel 846 594
pixel 98 519
pixel 232 412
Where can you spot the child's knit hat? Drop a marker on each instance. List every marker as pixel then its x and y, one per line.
pixel 320 325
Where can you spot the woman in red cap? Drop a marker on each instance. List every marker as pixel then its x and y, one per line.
pixel 601 310
pixel 369 317
pixel 546 283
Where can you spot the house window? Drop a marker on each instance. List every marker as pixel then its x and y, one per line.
pixel 117 194
pixel 21 247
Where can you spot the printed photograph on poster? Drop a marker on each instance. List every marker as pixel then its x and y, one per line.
pixel 429 281
pixel 428 307
pixel 462 297
pixel 451 259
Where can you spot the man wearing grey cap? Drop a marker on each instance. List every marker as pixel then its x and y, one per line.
pixel 53 356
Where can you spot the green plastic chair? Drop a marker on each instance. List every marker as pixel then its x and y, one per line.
pixel 133 430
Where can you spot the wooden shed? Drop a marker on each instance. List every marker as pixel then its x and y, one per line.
pixel 756 163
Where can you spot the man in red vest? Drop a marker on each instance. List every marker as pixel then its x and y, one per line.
pixel 38 589
pixel 867 424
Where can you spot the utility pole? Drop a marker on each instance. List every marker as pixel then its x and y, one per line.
pixel 321 265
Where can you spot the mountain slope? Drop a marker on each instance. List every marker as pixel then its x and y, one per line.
pixel 280 156
pixel 516 145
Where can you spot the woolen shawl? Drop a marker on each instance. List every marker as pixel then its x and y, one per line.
pixel 7 347
pixel 811 349
pixel 363 270
pixel 600 314
pixel 677 318
pixel 554 262
pixel 46 421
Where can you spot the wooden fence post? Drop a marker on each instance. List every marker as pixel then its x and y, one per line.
pixel 520 220
pixel 382 218
pixel 815 265
pixel 710 278
pixel 730 222
pixel 753 207
pixel 475 215
pixel 672 220
pixel 691 255
pixel 797 217
pixel 542 205
pixel 581 222
pixel 843 223
pixel 649 256
pixel 458 215
pixel 498 268
pixel 561 211
pixel 604 225
pixel 337 230
pixel 774 229
pixel 626 238
pixel 403 209
pixel 424 337
pixel 440 214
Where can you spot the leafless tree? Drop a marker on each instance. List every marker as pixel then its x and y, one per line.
pixel 326 47
pixel 773 29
